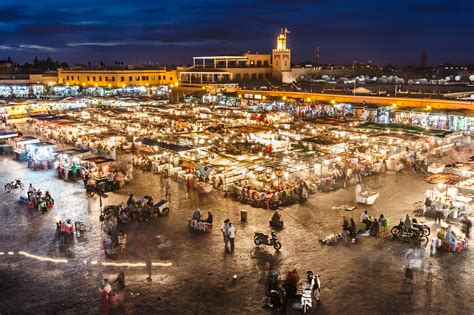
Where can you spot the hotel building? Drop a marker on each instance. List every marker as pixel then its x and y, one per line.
pixel 114 78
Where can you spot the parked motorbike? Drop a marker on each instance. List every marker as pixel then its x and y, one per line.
pixel 14 185
pixel 263 239
pixel 312 289
pixel 424 230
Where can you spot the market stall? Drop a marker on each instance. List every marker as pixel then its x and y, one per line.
pixel 20 145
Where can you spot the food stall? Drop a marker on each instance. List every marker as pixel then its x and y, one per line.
pixel 40 155
pixel 20 145
pixel 367 197
pixel 455 204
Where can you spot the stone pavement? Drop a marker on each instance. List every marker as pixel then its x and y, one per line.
pixel 196 275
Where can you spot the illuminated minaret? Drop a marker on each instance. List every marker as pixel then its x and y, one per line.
pixel 281 56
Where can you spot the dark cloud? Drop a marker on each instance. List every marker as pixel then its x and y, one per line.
pixel 169 31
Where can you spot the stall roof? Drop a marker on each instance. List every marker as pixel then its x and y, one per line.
pixel 25 139
pixel 44 144
pixel 164 145
pixel 8 135
pixel 407 129
pixel 98 160
pixel 74 151
pixel 443 178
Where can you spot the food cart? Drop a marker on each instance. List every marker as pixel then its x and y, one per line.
pixel 367 197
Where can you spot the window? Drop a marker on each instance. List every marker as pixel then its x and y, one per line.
pixel 147 78
pixel 286 63
pixel 265 63
pixel 100 78
pixel 153 78
pixel 77 78
pixel 113 79
pixel 159 77
pixel 143 78
pixel 276 63
pixel 67 78
pixel 164 78
pixel 246 76
pixel 254 76
pixel 137 78
pixel 259 63
pixel 122 79
pixel 106 79
pixel 237 76
pixel 93 78
pixel 130 79
pixel 88 78
pixel 260 76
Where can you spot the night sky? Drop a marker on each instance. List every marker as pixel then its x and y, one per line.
pixel 172 31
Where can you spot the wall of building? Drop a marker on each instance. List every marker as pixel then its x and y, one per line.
pixel 248 74
pixel 117 78
pixel 296 73
pixel 259 60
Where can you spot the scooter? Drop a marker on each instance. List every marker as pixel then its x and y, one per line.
pixel 275 295
pixel 14 185
pixel 263 239
pixel 312 289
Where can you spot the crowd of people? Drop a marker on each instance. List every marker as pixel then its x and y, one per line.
pixel 368 225
pixel 37 200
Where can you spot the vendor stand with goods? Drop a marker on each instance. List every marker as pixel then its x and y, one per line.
pixel 448 240
pixel 40 155
pixel 99 171
pixel 68 163
pixel 365 196
pixel 445 197
pixel 20 146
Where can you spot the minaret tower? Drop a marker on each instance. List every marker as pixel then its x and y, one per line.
pixel 281 56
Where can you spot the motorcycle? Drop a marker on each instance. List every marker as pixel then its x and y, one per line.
pixel 312 289
pixel 275 295
pixel 263 239
pixel 400 231
pixel 422 228
pixel 14 185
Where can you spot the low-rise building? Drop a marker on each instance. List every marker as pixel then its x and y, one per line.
pixel 117 77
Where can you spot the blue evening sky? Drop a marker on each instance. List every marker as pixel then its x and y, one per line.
pixel 166 31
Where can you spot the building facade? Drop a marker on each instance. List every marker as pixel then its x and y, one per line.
pixel 239 68
pixel 117 77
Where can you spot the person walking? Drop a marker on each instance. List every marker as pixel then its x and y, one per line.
pixel 439 211
pixel 232 231
pixel 225 233
pixel 122 241
pixel 466 226
pixel 167 189
pixel 148 266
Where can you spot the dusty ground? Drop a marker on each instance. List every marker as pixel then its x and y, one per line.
pixel 361 278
